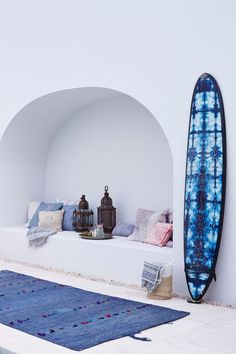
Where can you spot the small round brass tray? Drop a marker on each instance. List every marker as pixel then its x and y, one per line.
pixel 85 236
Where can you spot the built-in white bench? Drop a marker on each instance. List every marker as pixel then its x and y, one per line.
pixel 117 259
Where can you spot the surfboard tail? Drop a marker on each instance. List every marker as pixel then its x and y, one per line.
pixel 198 283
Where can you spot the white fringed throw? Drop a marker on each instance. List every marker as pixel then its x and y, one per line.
pixel 38 236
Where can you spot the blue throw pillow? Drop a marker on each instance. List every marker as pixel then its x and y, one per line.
pixel 43 207
pixel 67 224
pixel 123 230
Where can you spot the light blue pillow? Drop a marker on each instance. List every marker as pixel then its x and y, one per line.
pixel 123 230
pixel 68 217
pixel 43 207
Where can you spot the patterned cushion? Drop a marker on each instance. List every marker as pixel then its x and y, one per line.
pixel 159 234
pixel 141 225
pixel 167 216
pixel 43 207
pixel 51 220
pixel 142 214
pixel 68 217
pixel 123 230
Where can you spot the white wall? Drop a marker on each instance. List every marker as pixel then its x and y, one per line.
pixel 153 51
pixel 116 122
pixel 24 148
pixel 114 142
pixel 21 178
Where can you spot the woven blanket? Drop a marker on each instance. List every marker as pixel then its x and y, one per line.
pixel 74 318
pixel 151 275
pixel 38 236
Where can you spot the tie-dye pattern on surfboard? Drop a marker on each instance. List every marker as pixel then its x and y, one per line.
pixel 204 186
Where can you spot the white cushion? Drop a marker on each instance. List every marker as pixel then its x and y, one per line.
pixel 67 202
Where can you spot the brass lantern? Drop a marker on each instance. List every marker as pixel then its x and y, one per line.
pixel 107 213
pixel 83 217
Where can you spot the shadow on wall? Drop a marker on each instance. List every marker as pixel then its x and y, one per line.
pixel 75 142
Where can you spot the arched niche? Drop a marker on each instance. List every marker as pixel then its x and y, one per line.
pixel 74 142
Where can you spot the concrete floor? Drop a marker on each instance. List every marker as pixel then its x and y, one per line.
pixel 208 330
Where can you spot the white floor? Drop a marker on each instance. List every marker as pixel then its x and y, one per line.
pixel 208 330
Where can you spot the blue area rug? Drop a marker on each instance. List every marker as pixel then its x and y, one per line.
pixel 71 317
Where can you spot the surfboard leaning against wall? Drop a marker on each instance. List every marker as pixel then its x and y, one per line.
pixel 204 186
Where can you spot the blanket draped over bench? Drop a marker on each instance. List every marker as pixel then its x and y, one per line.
pixel 38 236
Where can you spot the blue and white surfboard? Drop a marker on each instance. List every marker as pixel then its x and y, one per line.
pixel 204 186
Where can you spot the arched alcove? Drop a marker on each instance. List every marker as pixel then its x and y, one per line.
pixel 74 142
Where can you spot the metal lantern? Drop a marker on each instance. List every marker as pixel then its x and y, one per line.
pixel 83 217
pixel 107 213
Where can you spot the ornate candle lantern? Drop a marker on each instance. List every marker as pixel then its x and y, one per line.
pixel 107 213
pixel 83 217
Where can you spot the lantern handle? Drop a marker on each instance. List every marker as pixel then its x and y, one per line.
pixel 106 189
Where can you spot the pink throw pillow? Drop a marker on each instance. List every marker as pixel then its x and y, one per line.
pixel 159 234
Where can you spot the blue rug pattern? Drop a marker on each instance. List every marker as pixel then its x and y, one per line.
pixel 71 317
